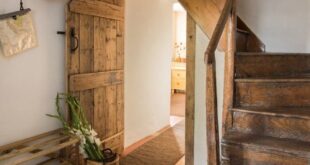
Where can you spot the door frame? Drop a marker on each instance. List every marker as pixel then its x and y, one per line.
pixel 190 90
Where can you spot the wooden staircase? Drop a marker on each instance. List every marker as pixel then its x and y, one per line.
pixel 271 110
pixel 266 112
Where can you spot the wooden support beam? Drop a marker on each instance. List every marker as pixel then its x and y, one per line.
pixel 80 82
pixel 190 90
pixel 218 32
pixel 212 117
pixel 229 70
pixel 97 8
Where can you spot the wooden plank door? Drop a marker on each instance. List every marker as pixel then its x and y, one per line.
pixel 95 70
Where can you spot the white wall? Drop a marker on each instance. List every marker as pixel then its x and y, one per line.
pixel 180 26
pixel 200 95
pixel 148 54
pixel 29 81
pixel 308 31
pixel 179 30
pixel 283 25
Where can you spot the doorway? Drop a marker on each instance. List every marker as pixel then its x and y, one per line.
pixel 167 145
pixel 178 69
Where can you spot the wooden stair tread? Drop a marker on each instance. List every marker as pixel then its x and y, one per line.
pixel 294 112
pixel 277 79
pixel 268 144
pixel 272 54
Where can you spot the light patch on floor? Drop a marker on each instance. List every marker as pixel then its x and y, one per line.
pixel 175 120
pixel 178 104
pixel 181 161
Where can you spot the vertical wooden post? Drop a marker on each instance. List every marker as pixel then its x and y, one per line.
pixel 190 90
pixel 213 142
pixel 212 120
pixel 229 69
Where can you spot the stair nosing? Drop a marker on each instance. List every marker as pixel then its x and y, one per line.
pixel 272 80
pixel 271 54
pixel 265 112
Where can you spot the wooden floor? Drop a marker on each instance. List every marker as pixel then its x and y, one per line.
pixel 167 148
pixel 178 105
pixel 181 161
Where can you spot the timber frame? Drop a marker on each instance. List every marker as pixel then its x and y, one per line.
pixel 221 30
pixel 190 91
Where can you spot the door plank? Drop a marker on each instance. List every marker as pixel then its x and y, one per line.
pixel 120 44
pixel 81 82
pixel 97 8
pixel 73 58
pixel 111 64
pixel 99 66
pixel 120 65
pixel 120 88
pixel 87 62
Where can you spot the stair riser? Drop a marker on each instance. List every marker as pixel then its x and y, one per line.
pixel 272 65
pixel 238 155
pixel 242 40
pixel 272 94
pixel 282 127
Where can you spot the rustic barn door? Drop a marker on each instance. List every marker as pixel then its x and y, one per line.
pixel 95 64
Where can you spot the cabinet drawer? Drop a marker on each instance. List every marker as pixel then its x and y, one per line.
pixel 178 74
pixel 179 84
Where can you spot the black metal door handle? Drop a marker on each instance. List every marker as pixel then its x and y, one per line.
pixel 74 40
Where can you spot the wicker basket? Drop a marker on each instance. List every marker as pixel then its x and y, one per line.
pixel 90 162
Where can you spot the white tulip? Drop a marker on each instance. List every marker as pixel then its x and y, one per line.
pixel 91 139
pixel 97 141
pixel 93 133
pixel 83 152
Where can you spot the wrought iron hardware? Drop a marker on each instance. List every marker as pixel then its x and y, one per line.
pixel 74 40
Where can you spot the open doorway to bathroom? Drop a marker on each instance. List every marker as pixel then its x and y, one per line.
pixel 178 69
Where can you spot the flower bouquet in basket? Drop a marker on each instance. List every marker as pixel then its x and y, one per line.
pixel 90 145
